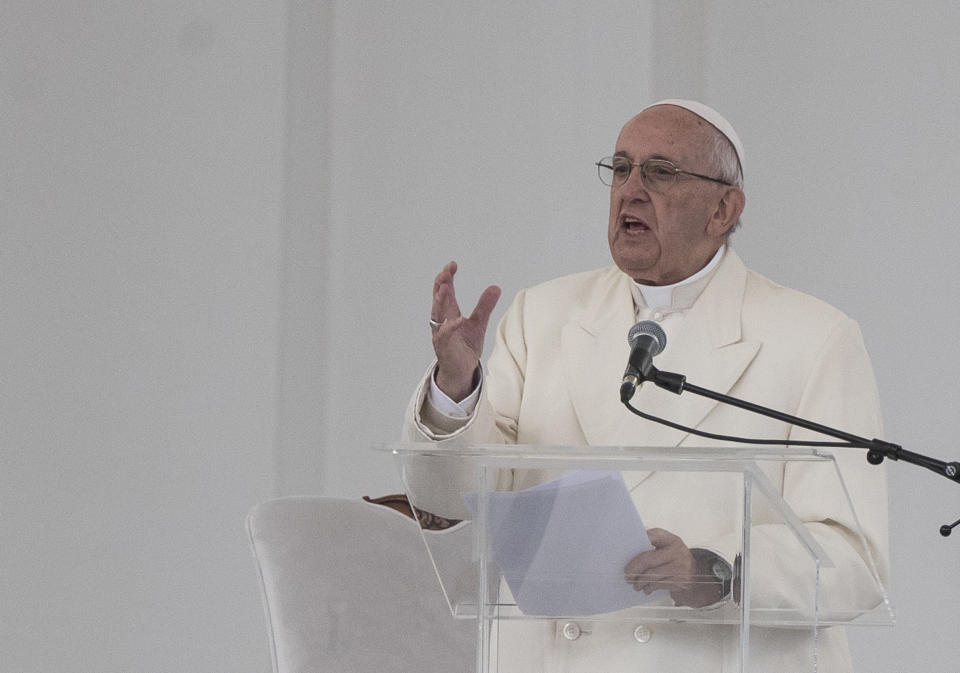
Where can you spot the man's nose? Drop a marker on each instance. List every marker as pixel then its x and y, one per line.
pixel 634 187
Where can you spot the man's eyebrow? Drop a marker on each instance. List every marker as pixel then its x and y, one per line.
pixel 661 157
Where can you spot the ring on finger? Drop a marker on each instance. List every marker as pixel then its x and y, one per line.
pixel 436 325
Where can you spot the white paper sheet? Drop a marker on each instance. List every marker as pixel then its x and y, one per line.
pixel 562 546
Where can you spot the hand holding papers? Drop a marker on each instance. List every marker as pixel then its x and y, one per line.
pixel 562 546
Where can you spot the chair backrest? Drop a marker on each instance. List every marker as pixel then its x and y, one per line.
pixel 348 587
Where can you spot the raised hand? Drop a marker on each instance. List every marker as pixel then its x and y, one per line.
pixel 458 340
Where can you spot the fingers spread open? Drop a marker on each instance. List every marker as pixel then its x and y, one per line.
pixel 485 305
pixel 444 298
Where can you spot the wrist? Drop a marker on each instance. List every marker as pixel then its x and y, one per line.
pixel 457 388
pixel 713 577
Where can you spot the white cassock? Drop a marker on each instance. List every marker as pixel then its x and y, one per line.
pixel 553 378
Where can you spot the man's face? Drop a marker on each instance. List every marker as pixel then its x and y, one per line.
pixel 662 238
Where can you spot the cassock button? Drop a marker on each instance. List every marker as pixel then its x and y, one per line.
pixel 642 633
pixel 571 631
pixel 658 316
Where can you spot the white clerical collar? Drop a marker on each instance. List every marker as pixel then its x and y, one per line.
pixel 662 296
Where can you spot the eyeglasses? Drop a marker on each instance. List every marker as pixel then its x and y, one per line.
pixel 658 175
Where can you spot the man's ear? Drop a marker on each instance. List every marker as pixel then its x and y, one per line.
pixel 727 212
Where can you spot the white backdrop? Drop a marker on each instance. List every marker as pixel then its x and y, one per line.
pixel 220 224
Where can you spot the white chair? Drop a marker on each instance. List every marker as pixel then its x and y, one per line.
pixel 348 587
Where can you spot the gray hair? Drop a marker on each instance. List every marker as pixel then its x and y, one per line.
pixel 725 164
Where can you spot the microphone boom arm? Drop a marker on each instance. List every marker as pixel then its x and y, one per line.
pixel 877 449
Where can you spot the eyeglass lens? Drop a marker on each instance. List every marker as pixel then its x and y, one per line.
pixel 656 174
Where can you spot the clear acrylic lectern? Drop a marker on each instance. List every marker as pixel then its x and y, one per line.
pixel 535 533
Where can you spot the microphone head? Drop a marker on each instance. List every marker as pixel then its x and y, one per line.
pixel 651 329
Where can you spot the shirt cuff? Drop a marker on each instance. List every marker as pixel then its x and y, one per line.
pixel 444 406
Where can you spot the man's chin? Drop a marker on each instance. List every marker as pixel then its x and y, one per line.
pixel 641 271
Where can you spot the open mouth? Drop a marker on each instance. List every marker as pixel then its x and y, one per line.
pixel 633 224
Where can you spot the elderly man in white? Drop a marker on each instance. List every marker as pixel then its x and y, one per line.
pixel 675 196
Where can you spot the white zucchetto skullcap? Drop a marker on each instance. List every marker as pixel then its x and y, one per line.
pixel 715 118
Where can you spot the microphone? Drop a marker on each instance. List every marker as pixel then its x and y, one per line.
pixel 647 340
